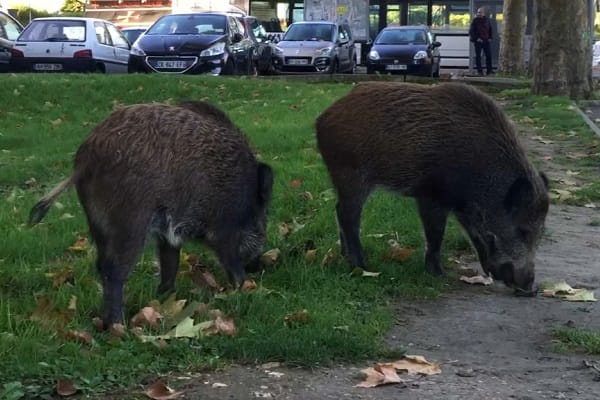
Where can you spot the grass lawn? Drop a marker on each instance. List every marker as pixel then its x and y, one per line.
pixel 48 290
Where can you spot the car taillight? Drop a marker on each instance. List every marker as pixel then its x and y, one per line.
pixel 16 53
pixel 87 53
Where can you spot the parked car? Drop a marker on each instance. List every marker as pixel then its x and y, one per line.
pixel 217 43
pixel 405 50
pixel 316 46
pixel 70 44
pixel 132 33
pixel 264 50
pixel 10 29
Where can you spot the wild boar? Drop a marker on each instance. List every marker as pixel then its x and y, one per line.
pixel 451 148
pixel 171 173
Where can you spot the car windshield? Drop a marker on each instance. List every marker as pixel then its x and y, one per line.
pixel 193 24
pixel 401 36
pixel 54 31
pixel 303 32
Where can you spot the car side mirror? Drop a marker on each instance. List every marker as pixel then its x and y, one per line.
pixel 436 44
pixel 237 37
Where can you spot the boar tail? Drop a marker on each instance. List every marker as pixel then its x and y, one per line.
pixel 38 211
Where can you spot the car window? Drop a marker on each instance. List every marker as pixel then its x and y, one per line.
pixel 401 36
pixel 54 30
pixel 8 28
pixel 117 37
pixel 302 32
pixel 188 25
pixel 102 33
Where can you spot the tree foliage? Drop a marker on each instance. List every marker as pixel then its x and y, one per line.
pixel 73 7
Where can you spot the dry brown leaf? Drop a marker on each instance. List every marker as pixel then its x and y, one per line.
pixel 72 307
pixel 417 365
pixel 56 122
pixel 284 229
pixel 225 326
pixel 249 285
pixel 170 307
pixel 397 253
pixel 380 374
pixel 296 183
pixel 203 278
pixel 269 258
pixel 298 317
pixel 80 245
pixel 117 330
pixel 328 258
pixel 98 324
pixel 307 196
pixel 65 387
pixel 147 316
pixel 310 255
pixel 477 280
pixel 46 316
pixel 76 336
pixel 160 391
pixel 60 277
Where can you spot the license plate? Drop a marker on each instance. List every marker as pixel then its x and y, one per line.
pixel 396 67
pixel 171 64
pixel 47 67
pixel 297 61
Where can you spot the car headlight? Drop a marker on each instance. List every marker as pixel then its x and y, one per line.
pixel 420 55
pixel 373 55
pixel 214 50
pixel 136 50
pixel 278 51
pixel 325 51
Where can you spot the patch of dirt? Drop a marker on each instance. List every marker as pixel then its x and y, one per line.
pixel 492 345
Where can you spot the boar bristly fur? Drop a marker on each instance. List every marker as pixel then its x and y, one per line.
pixel 451 148
pixel 172 173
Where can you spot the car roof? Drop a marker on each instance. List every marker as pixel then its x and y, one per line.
pixel 406 27
pixel 70 19
pixel 315 22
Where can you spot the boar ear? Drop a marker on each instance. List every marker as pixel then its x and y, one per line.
pixel 518 195
pixel 265 183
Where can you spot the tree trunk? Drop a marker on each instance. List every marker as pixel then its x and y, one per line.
pixel 562 49
pixel 513 34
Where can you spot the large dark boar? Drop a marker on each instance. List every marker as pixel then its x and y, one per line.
pixel 451 148
pixel 173 173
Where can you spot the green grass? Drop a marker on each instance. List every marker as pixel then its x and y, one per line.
pixel 570 339
pixel 42 122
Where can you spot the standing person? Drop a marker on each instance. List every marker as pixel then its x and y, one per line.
pixel 480 33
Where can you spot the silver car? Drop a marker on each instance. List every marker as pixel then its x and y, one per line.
pixel 10 29
pixel 315 46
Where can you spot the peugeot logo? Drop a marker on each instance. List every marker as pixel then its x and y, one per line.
pixel 171 48
pixel 298 51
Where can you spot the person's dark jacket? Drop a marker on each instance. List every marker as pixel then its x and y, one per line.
pixel 480 29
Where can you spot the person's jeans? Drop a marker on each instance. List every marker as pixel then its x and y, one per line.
pixel 485 46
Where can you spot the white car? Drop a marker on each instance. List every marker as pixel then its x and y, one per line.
pixel 596 54
pixel 70 44
pixel 10 29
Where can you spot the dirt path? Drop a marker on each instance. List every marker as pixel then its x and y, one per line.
pixel 492 344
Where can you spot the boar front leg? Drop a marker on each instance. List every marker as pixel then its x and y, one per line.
pixel 349 209
pixel 434 218
pixel 169 264
pixel 228 251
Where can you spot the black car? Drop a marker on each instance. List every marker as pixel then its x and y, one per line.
pixel 195 43
pixel 405 50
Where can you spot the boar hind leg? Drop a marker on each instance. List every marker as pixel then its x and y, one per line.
pixel 349 209
pixel 433 217
pixel 169 264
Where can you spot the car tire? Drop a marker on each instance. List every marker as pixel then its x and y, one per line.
pixel 229 68
pixel 352 68
pixel 99 68
pixel 335 65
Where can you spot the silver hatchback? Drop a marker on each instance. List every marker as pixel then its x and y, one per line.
pixel 315 46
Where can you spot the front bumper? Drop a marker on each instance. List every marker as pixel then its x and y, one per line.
pixel 298 64
pixel 391 66
pixel 177 64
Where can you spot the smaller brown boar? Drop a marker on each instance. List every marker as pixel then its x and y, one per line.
pixel 171 173
pixel 451 148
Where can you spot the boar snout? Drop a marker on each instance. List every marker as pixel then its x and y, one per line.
pixel 520 279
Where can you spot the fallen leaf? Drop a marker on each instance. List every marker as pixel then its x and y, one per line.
pixel 65 387
pixel 576 156
pixel 397 252
pixel 307 196
pixel 117 330
pixel 56 122
pixel 203 278
pixel 217 385
pixel 564 291
pixel 147 316
pixel 76 336
pixel 542 140
pixel 45 314
pixel 284 229
pixel 417 365
pixel 269 258
pixel 249 285
pixel 572 173
pixel 160 391
pixel 60 277
pixel 560 194
pixel 580 295
pixel 477 280
pixel 298 317
pixel 80 245
pixel 361 272
pixel 590 205
pixel 310 255
pixel 224 326
pixel 328 258
pixel 296 183
pixel 72 307
pixel 380 374
pixel 170 307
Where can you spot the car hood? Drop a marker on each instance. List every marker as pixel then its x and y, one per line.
pixel 302 48
pixel 176 44
pixel 398 50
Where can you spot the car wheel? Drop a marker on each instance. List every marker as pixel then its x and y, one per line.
pixel 352 68
pixel 333 69
pixel 229 68
pixel 99 68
